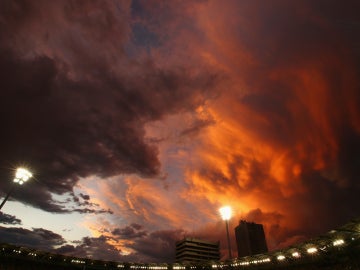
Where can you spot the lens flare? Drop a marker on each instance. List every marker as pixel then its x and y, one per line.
pixel 225 212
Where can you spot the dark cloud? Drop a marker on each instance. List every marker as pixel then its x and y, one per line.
pixel 91 211
pixel 66 249
pixel 38 238
pixel 9 219
pixel 70 112
pixel 136 226
pixel 197 126
pixel 83 205
pixel 130 232
pixel 91 247
pixel 84 196
pixel 95 248
pixel 258 216
pixel 158 246
pixel 80 80
pixel 325 201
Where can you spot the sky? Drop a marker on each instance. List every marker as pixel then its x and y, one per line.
pixel 140 119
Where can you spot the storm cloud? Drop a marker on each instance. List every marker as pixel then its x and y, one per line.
pixel 161 111
pixel 38 238
pixel 71 113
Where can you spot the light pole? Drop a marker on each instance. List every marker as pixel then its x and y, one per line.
pixel 225 213
pixel 21 176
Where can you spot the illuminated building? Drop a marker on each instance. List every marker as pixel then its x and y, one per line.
pixel 195 250
pixel 250 239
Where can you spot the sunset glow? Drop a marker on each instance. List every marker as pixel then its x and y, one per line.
pixel 139 119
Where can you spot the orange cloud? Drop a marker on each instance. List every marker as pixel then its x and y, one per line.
pixel 272 135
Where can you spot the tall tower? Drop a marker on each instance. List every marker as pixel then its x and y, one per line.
pixel 250 238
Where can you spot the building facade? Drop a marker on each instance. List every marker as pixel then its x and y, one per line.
pixel 250 239
pixel 195 250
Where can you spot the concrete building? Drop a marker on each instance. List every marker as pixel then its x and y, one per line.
pixel 250 239
pixel 195 250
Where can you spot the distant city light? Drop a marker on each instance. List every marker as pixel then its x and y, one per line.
pixel 77 261
pixel 312 250
pixel 225 212
pixel 338 242
pixel 280 257
pixel 261 261
pixel 296 254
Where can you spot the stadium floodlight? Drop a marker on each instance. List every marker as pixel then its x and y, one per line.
pixel 225 213
pixel 22 175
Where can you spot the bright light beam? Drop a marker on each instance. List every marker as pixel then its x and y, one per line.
pixel 22 175
pixel 225 212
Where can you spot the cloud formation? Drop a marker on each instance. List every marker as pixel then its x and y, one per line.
pixel 38 238
pixel 71 113
pixel 161 111
pixel 9 219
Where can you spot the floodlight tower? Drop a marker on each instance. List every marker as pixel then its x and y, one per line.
pixel 22 175
pixel 225 213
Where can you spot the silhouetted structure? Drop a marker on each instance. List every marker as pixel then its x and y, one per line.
pixel 196 250
pixel 250 239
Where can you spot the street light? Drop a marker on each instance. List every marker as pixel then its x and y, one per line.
pixel 22 175
pixel 225 213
